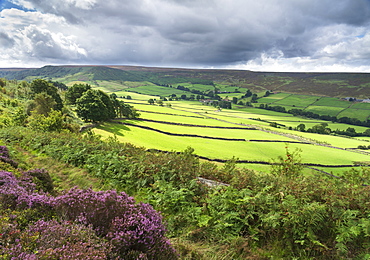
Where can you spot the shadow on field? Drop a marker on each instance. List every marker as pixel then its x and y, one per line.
pixel 116 129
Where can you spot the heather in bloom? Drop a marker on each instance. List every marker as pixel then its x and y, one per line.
pixel 133 229
pixel 19 193
pixel 42 180
pixel 4 156
pixel 10 189
pixel 54 240
pixel 78 224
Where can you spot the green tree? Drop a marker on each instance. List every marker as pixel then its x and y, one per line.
pixel 109 102
pixel 151 101
pixel 320 129
pixel 248 93
pixel 115 102
pixel 95 106
pixel 53 122
pixel 301 127
pixel 19 117
pixel 254 98
pixel 126 110
pixel 43 103
pixel 40 85
pixel 350 131
pixel 75 92
pixel 367 132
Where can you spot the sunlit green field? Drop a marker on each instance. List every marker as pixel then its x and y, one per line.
pixel 319 105
pixel 332 102
pixel 273 98
pixel 325 110
pixel 158 90
pixel 199 115
pixel 227 149
pixel 361 105
pixel 360 114
pixel 298 100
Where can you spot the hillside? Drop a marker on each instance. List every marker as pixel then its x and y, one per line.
pixel 301 195
pixel 321 84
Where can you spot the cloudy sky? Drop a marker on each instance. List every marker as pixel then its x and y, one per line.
pixel 260 35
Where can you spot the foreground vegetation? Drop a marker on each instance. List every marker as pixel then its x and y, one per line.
pixel 283 214
pixel 189 208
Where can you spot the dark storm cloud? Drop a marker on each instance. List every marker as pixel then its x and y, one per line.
pixel 202 32
pixel 354 12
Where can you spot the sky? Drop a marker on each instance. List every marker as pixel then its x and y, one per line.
pixel 263 35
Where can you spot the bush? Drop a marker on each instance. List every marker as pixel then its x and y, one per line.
pixel 42 180
pixel 133 229
pixel 54 240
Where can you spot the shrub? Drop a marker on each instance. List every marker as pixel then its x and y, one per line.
pixel 42 180
pixel 4 157
pixel 133 229
pixel 290 165
pixel 54 240
pixel 20 193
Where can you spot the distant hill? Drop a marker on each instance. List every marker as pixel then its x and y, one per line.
pixel 323 84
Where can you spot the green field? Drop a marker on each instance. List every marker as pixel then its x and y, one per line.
pixel 332 102
pixel 158 90
pixel 297 100
pixel 243 150
pixel 273 98
pixel 360 114
pixel 361 105
pixel 335 151
pixel 319 105
pixel 161 135
pixel 325 110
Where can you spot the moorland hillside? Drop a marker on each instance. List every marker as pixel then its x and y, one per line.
pixel 323 84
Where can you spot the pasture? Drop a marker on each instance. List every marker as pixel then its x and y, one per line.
pixel 325 110
pixel 168 128
pixel 360 114
pixel 332 102
pixel 319 105
pixel 297 100
pixel 157 90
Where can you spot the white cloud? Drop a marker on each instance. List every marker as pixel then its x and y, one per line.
pixel 35 38
pixel 280 63
pixel 289 35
